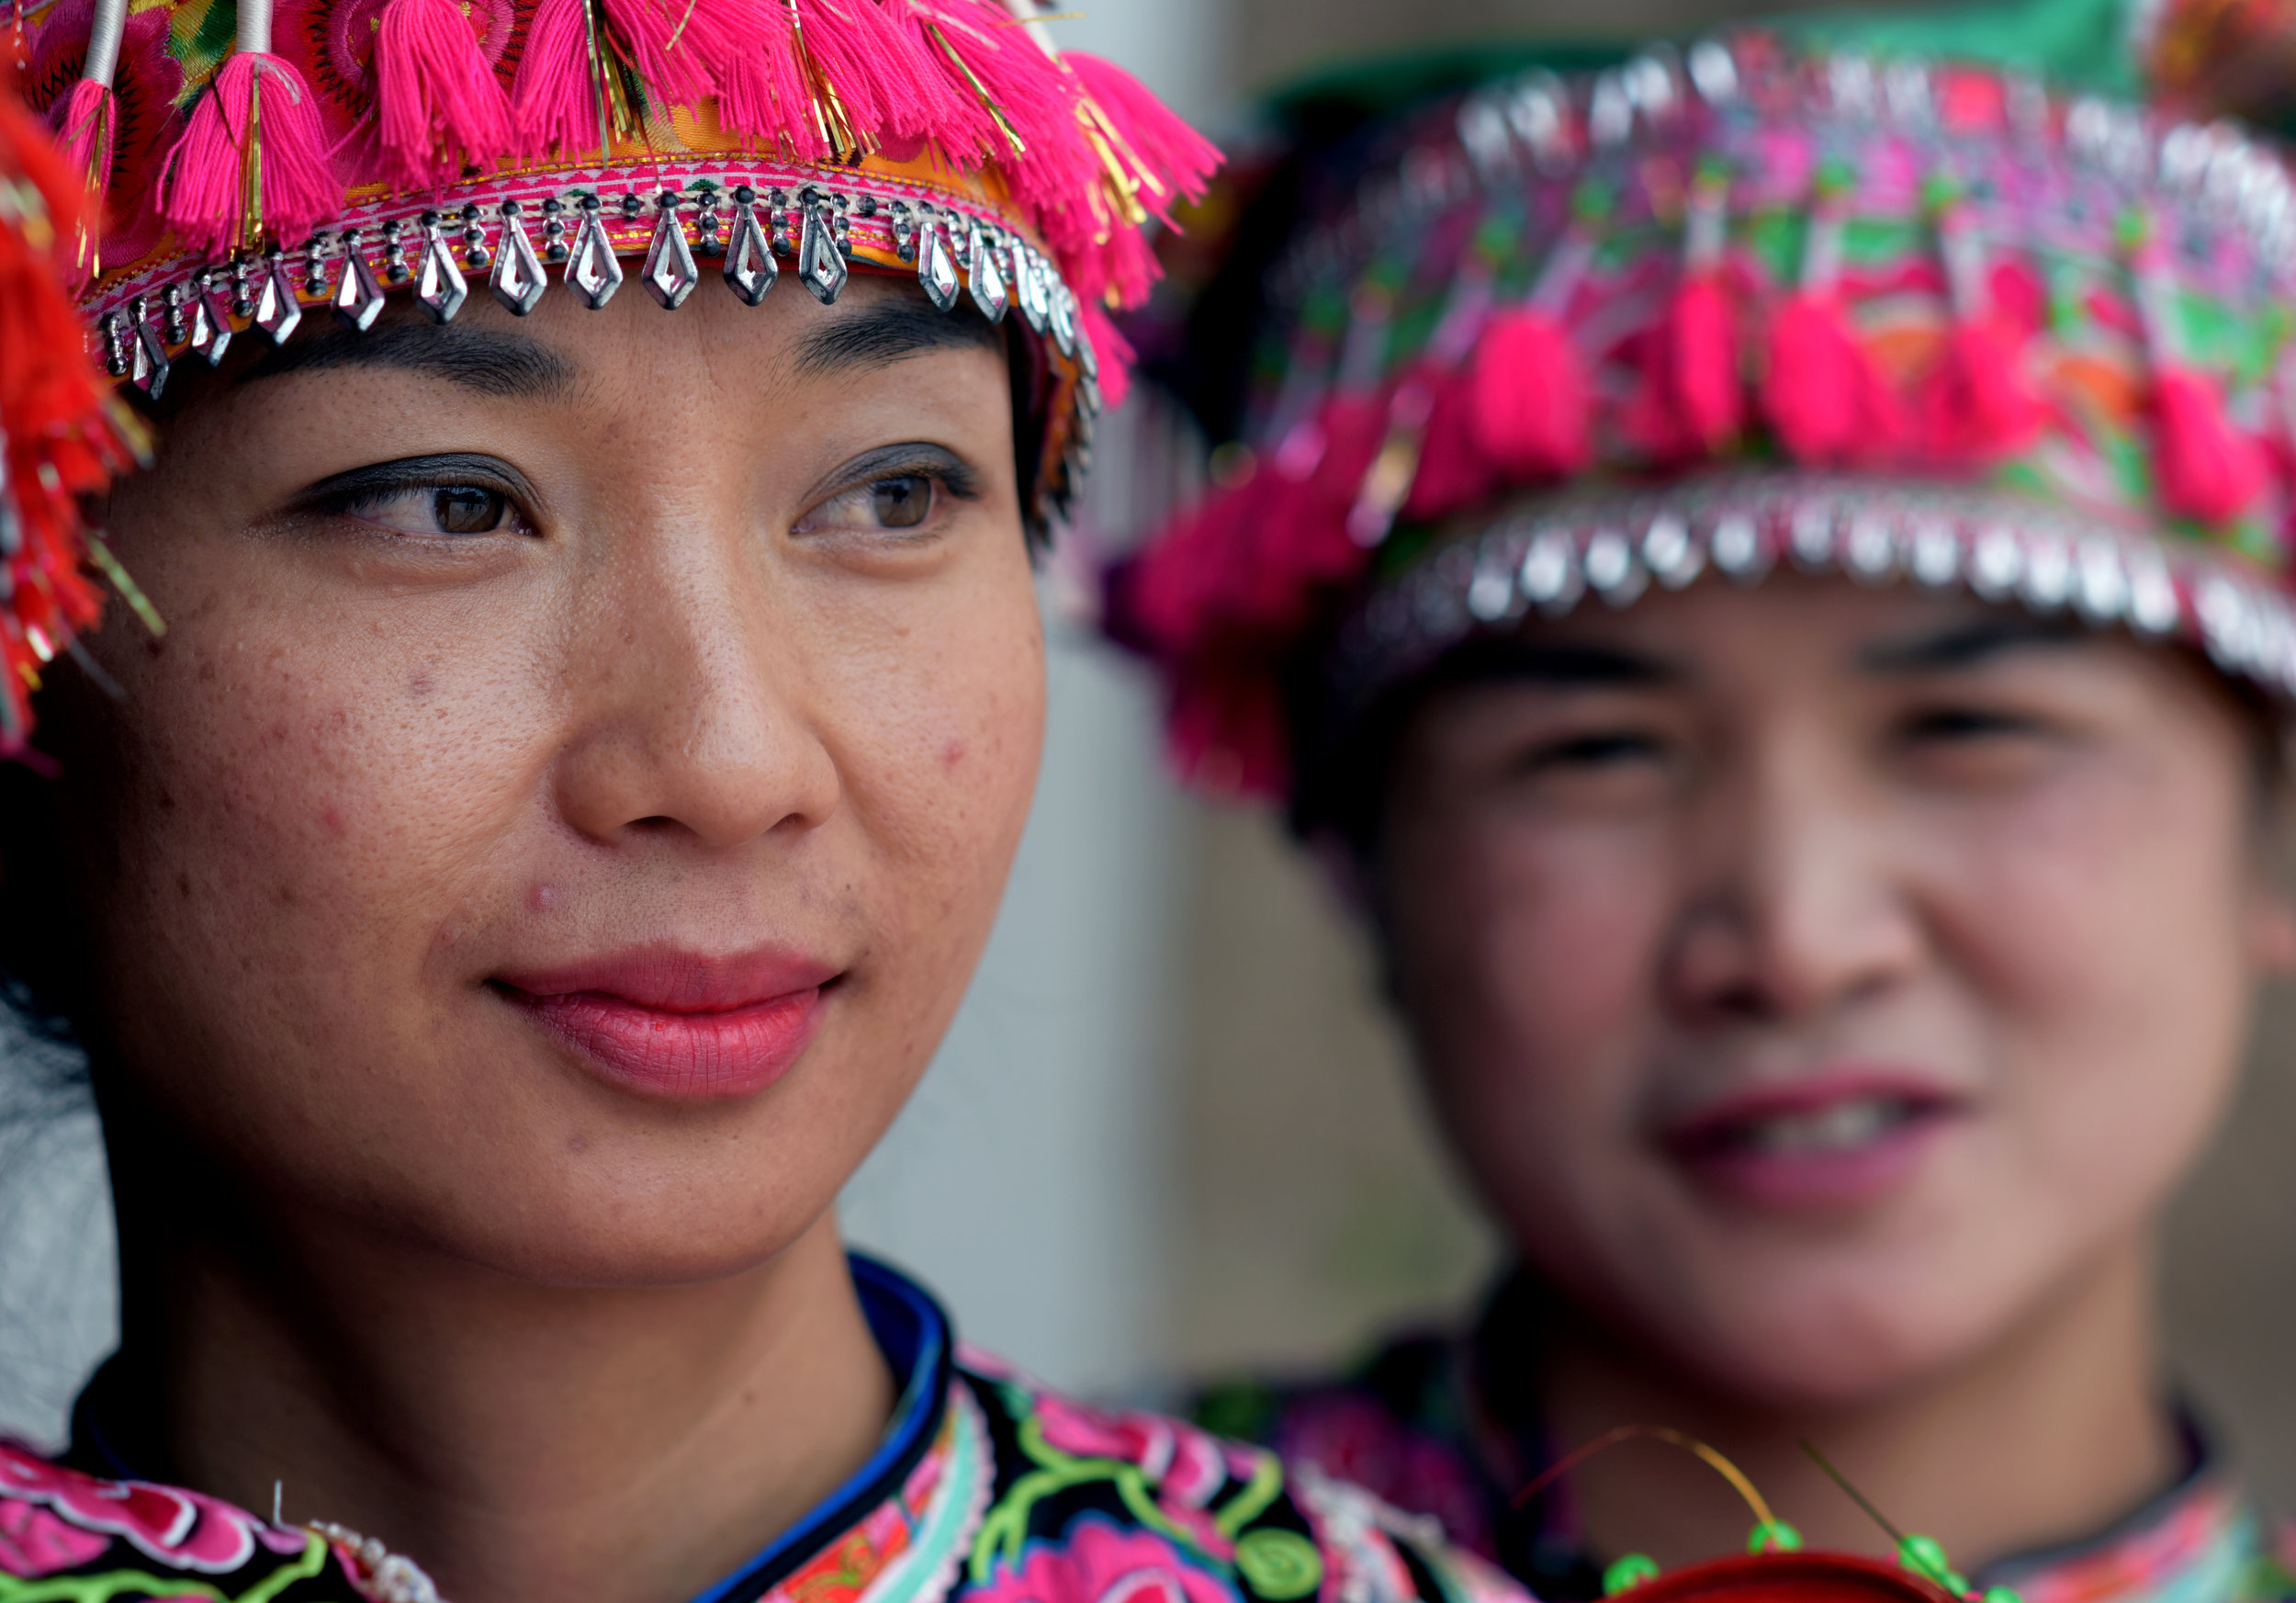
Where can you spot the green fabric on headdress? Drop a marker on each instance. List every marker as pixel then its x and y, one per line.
pixel 2074 44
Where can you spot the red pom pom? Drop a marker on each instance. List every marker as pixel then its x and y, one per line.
pixel 1823 392
pixel 1532 405
pixel 1978 405
pixel 2208 469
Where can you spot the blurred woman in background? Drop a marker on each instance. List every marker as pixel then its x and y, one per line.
pixel 1761 574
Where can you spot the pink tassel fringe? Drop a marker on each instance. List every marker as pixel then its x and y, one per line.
pixel 1692 403
pixel 442 104
pixel 1173 159
pixel 80 119
pixel 1532 403
pixel 2209 470
pixel 1453 471
pixel 1822 391
pixel 554 106
pixel 1978 406
pixel 204 174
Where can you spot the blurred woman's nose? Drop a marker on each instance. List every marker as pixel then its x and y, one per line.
pixel 1799 903
pixel 692 713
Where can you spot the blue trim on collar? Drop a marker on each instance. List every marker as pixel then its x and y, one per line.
pixel 913 1335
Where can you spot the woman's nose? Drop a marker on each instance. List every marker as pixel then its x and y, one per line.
pixel 1801 904
pixel 693 712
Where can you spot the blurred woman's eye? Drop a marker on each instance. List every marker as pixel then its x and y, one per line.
pixel 1974 743
pixel 903 501
pixel 1603 750
pixel 1953 724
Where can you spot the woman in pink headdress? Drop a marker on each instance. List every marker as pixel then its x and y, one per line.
pixel 578 695
pixel 1764 575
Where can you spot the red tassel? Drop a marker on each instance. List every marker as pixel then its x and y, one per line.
pixel 1978 405
pixel 57 440
pixel 1823 392
pixel 1531 399
pixel 255 96
pixel 1691 402
pixel 442 104
pixel 2209 471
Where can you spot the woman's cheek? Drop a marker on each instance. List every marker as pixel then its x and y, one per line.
pixel 2098 923
pixel 1545 996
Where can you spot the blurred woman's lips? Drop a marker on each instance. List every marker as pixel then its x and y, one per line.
pixel 1836 1141
pixel 677 1026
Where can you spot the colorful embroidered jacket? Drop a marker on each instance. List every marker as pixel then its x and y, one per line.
pixel 1417 1426
pixel 986 1488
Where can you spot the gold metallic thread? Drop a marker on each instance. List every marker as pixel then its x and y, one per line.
pixel 980 90
pixel 108 566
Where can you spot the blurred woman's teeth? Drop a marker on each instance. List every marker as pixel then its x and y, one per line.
pixel 1837 1128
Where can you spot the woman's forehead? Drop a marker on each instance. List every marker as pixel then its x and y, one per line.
pixel 1797 622
pixel 879 322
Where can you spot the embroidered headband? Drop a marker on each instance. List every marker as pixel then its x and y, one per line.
pixel 263 160
pixel 1560 337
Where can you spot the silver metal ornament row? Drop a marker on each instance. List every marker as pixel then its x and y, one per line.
pixel 748 232
pixel 1742 527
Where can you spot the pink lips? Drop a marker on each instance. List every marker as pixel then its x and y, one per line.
pixel 1841 1140
pixel 678 1025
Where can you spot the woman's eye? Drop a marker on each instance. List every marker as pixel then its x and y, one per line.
pixel 1959 725
pixel 450 510
pixel 902 501
pixel 1592 751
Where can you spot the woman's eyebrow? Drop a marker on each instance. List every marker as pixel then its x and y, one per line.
pixel 1562 663
pixel 492 362
pixel 878 334
pixel 1969 644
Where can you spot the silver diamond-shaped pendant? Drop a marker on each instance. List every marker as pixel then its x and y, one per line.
pixel 147 362
pixel 670 272
pixel 819 261
pixel 1028 287
pixel 438 283
pixel 210 320
pixel 990 292
pixel 937 266
pixel 593 269
pixel 1063 319
pixel 277 309
pixel 358 297
pixel 519 280
pixel 750 270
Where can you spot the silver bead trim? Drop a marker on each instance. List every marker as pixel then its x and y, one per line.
pixel 1999 547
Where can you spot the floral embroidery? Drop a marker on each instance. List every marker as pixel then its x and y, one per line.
pixel 184 1529
pixel 1097 1563
pixel 1002 1493
pixel 35 1542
